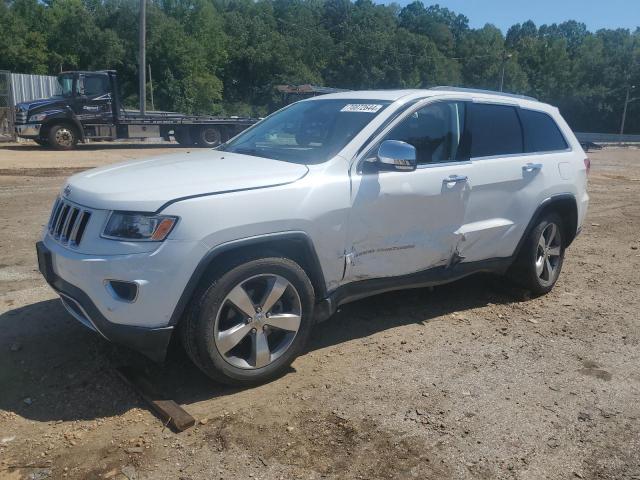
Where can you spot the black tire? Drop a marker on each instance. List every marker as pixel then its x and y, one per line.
pixel 184 137
pixel 42 143
pixel 198 328
pixel 62 137
pixel 209 136
pixel 525 270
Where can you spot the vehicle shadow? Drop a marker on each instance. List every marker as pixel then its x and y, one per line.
pixel 52 368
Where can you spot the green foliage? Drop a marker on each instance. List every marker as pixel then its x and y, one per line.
pixel 226 56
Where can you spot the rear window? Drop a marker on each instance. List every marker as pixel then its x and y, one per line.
pixel 541 133
pixel 495 130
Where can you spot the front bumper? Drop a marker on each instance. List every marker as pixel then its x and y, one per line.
pixel 150 341
pixel 28 130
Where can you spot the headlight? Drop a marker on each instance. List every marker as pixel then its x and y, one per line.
pixel 145 227
pixel 38 117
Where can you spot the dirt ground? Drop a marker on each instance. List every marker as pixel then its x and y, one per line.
pixel 473 380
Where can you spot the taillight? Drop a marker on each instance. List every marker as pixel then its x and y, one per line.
pixel 587 165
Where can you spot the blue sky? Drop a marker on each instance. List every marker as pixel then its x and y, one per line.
pixel 504 13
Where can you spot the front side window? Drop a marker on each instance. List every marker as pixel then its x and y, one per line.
pixel 495 130
pixel 96 85
pixel 436 132
pixel 307 132
pixel 541 134
pixel 66 85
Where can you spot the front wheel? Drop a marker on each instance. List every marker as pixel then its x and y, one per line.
pixel 249 324
pixel 62 137
pixel 540 261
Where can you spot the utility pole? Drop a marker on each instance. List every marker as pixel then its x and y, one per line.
pixel 627 101
pixel 142 69
pixel 153 107
pixel 505 56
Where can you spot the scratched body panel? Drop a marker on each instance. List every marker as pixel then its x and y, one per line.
pixel 402 223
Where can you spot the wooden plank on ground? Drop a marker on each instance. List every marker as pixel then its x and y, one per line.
pixel 169 411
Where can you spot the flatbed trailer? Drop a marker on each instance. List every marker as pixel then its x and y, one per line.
pixel 89 108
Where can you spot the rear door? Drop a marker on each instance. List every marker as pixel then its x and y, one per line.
pixel 507 182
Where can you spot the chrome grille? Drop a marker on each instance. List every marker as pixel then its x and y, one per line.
pixel 21 116
pixel 68 222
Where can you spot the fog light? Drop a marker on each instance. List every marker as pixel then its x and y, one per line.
pixel 121 290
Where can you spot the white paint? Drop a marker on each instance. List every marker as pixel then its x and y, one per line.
pixel 389 223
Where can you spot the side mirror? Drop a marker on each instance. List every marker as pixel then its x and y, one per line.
pixel 399 155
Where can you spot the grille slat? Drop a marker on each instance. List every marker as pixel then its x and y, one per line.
pixel 76 225
pixel 63 214
pixel 21 116
pixel 68 222
pixel 54 213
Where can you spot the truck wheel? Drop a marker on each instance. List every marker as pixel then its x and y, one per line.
pixel 247 325
pixel 209 137
pixel 63 137
pixel 184 137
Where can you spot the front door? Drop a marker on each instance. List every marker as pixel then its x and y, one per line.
pixel 405 222
pixel 94 102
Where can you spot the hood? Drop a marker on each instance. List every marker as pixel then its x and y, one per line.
pixel 146 185
pixel 32 106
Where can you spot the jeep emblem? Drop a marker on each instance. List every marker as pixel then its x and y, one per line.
pixel 67 191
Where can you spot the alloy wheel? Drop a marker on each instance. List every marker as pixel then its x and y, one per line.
pixel 257 321
pixel 64 137
pixel 548 252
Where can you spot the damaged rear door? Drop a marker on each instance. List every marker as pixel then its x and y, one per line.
pixel 402 222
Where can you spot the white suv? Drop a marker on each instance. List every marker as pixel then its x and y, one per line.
pixel 242 248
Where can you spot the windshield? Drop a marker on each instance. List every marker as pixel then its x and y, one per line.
pixel 66 85
pixel 307 132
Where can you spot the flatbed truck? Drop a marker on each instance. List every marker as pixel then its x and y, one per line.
pixel 89 108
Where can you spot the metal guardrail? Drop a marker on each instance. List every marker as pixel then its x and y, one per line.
pixel 584 137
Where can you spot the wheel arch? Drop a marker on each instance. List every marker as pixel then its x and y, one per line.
pixel 71 122
pixel 296 246
pixel 566 206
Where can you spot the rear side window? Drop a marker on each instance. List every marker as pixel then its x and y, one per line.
pixel 495 130
pixel 541 133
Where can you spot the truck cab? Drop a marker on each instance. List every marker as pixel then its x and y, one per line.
pixel 85 102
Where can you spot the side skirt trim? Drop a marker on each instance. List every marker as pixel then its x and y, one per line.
pixel 426 278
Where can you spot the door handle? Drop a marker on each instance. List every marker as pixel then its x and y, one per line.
pixel 455 179
pixel 532 167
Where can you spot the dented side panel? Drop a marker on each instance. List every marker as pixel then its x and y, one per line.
pixel 404 222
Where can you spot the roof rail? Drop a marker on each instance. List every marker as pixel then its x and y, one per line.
pixel 479 90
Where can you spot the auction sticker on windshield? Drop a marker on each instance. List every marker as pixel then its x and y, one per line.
pixel 361 107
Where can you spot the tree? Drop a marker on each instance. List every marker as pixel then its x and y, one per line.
pixel 226 56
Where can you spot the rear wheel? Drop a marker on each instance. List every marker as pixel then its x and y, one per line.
pixel 209 136
pixel 250 323
pixel 540 261
pixel 62 137
pixel 184 137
